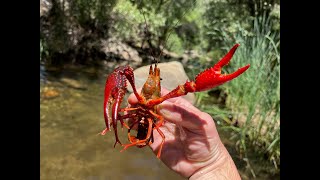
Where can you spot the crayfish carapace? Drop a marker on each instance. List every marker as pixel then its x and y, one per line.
pixel 144 113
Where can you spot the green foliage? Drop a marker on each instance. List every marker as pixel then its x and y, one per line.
pixel 220 17
pixel 56 36
pixel 254 96
pixel 175 44
pixel 163 17
pixel 130 24
pixel 189 34
pixel 252 110
pixel 89 12
pixel 223 17
pixel 73 27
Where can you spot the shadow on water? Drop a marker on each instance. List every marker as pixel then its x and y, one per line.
pixel 71 116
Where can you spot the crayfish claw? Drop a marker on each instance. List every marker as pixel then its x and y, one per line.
pixel 227 58
pixel 126 146
pixel 228 77
pixel 212 77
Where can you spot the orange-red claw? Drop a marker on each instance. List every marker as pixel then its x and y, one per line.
pixel 115 90
pixel 212 77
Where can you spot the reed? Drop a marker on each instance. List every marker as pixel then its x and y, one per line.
pixel 253 99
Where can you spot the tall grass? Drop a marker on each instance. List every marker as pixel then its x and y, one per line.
pixel 253 98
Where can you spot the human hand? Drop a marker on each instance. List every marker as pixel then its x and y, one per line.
pixel 192 146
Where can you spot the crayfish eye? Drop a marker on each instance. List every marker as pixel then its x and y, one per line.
pixel 160 79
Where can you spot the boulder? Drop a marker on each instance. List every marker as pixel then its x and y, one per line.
pixel 73 83
pixel 114 48
pixel 45 6
pixel 49 93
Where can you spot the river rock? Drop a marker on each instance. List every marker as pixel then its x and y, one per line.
pixel 49 93
pixel 73 83
pixel 45 6
pixel 172 74
pixel 114 48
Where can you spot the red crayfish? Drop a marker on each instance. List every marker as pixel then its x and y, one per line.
pixel 144 114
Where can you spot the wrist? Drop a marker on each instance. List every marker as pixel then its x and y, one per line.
pixel 222 168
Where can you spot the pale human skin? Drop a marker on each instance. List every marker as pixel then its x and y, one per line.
pixel 192 146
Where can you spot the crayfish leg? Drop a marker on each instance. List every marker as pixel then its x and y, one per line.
pixel 139 142
pixel 158 124
pixel 132 138
pixel 160 119
pixel 104 131
pixel 122 123
pixel 162 142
